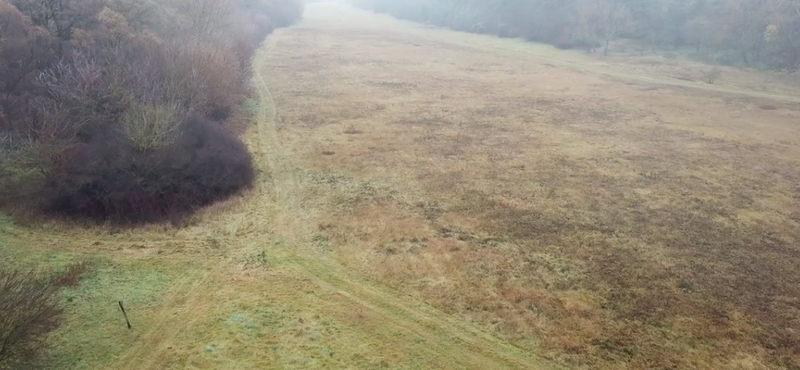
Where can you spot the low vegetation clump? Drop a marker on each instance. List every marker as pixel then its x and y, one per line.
pixel 121 110
pixel 204 162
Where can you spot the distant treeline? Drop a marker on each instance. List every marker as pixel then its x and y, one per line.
pixel 120 109
pixel 760 33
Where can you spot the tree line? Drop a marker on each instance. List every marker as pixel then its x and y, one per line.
pixel 123 109
pixel 753 33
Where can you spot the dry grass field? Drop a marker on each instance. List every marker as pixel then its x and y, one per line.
pixel 435 200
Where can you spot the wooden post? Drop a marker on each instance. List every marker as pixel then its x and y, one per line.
pixel 121 307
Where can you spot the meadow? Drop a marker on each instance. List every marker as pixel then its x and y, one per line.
pixel 433 199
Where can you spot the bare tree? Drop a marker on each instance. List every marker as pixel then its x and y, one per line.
pixel 209 17
pixel 588 27
pixel 784 32
pixel 604 19
pixel 140 14
pixel 615 18
pixel 60 17
pixel 746 21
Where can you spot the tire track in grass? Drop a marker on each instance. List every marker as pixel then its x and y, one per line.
pixel 178 313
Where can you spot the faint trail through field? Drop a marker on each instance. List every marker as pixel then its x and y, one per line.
pixel 179 314
pixel 442 332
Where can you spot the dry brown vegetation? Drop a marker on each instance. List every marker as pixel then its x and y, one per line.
pixel 429 199
pixel 608 221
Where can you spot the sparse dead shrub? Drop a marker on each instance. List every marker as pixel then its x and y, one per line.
pixel 211 76
pixel 29 310
pixel 71 276
pixel 712 75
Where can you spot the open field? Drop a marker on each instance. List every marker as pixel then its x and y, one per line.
pixel 431 199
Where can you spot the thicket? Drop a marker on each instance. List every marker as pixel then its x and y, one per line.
pixel 755 33
pixel 121 109
pixel 30 309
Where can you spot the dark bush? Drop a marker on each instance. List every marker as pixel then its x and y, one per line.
pixel 92 91
pixel 29 310
pixel 109 178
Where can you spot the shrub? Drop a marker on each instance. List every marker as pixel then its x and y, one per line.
pixel 29 310
pixel 112 179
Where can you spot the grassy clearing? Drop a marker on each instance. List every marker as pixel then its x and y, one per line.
pixel 429 199
pixel 612 217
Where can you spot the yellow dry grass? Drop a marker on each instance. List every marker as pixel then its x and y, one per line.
pixel 605 214
pixel 430 199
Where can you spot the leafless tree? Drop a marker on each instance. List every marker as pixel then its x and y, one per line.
pixel 603 19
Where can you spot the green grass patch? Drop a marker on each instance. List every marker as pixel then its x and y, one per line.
pixel 95 332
